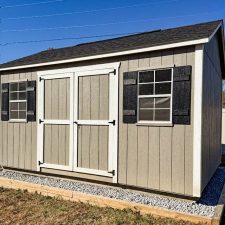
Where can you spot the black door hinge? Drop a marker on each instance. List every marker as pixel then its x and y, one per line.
pixel 40 121
pixel 114 72
pixel 113 122
pixel 40 163
pixel 112 172
pixel 40 79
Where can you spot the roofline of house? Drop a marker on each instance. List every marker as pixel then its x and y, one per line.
pixel 121 53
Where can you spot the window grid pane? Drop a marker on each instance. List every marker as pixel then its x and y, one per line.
pixel 156 106
pixel 18 101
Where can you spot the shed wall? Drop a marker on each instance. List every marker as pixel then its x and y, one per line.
pixel 18 141
pixel 212 110
pixel 159 158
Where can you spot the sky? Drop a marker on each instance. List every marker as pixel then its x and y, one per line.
pixel 38 20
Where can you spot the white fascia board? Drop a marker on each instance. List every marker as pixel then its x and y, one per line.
pixel 128 52
pixel 197 121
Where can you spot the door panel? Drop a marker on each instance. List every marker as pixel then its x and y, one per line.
pixel 56 144
pixel 57 99
pixel 93 147
pixel 93 97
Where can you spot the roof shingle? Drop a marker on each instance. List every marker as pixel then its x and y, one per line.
pixel 141 40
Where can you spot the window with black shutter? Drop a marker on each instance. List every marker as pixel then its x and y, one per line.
pixel 19 101
pixel 157 96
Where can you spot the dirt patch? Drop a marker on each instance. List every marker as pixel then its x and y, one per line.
pixel 21 207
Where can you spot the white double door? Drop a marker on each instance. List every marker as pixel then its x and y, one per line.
pixel 78 121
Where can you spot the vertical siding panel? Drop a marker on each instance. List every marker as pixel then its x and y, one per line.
pixel 48 115
pixel 86 129
pixel 132 157
pixel 122 154
pixel 167 58
pixel 155 59
pixel 10 136
pixel 178 150
pixel 67 144
pixel 1 134
pixel 165 158
pixel 94 139
pixel 62 115
pixel 55 115
pixel 80 117
pixel 154 156
pixel 143 147
pixel 189 132
pixel 34 132
pixel 28 154
pixel 22 137
pixel 16 129
pixel 103 147
pixel 4 79
pixel 143 138
pixel 103 114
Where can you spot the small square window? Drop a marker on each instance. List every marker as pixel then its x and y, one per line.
pixel 155 95
pixel 18 101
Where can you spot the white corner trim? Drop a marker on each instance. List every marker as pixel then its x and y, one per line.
pixel 197 124
pixel 135 51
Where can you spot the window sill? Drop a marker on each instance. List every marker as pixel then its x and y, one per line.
pixel 17 121
pixel 154 124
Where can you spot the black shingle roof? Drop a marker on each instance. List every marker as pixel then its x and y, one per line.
pixel 141 40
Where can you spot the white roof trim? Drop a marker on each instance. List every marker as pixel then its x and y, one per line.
pixel 128 52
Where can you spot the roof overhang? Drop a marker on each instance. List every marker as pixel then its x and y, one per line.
pixel 121 53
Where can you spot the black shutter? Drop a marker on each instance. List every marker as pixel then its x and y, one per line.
pixel 5 102
pixel 130 97
pixel 31 100
pixel 182 95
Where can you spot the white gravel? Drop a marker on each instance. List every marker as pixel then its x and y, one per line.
pixel 204 207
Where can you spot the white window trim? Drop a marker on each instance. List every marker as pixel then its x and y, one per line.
pixel 155 123
pixel 18 101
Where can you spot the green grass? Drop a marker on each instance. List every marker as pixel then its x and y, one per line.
pixel 21 207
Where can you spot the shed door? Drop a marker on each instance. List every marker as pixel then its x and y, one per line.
pixel 55 121
pixel 96 122
pixel 78 122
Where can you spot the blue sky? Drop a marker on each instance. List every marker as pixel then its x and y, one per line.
pixel 146 15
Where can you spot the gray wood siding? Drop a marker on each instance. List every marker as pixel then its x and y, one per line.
pixel 212 111
pixel 156 157
pixel 18 141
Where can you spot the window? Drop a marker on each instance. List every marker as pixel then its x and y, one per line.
pixel 155 95
pixel 18 100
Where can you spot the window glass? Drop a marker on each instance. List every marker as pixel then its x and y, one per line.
pixel 162 75
pixel 145 89
pixel 146 103
pixel 155 95
pixel 145 77
pixel 162 88
pixel 146 114
pixel 18 101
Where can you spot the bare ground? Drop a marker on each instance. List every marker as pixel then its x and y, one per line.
pixel 21 207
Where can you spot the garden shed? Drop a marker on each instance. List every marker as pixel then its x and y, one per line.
pixel 142 111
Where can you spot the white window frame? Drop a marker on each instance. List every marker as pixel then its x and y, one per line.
pixel 158 122
pixel 17 101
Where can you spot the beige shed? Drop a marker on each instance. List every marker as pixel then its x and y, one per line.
pixel 142 111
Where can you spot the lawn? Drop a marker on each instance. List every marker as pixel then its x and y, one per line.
pixel 21 207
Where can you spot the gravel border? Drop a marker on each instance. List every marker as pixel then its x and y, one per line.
pixel 204 207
